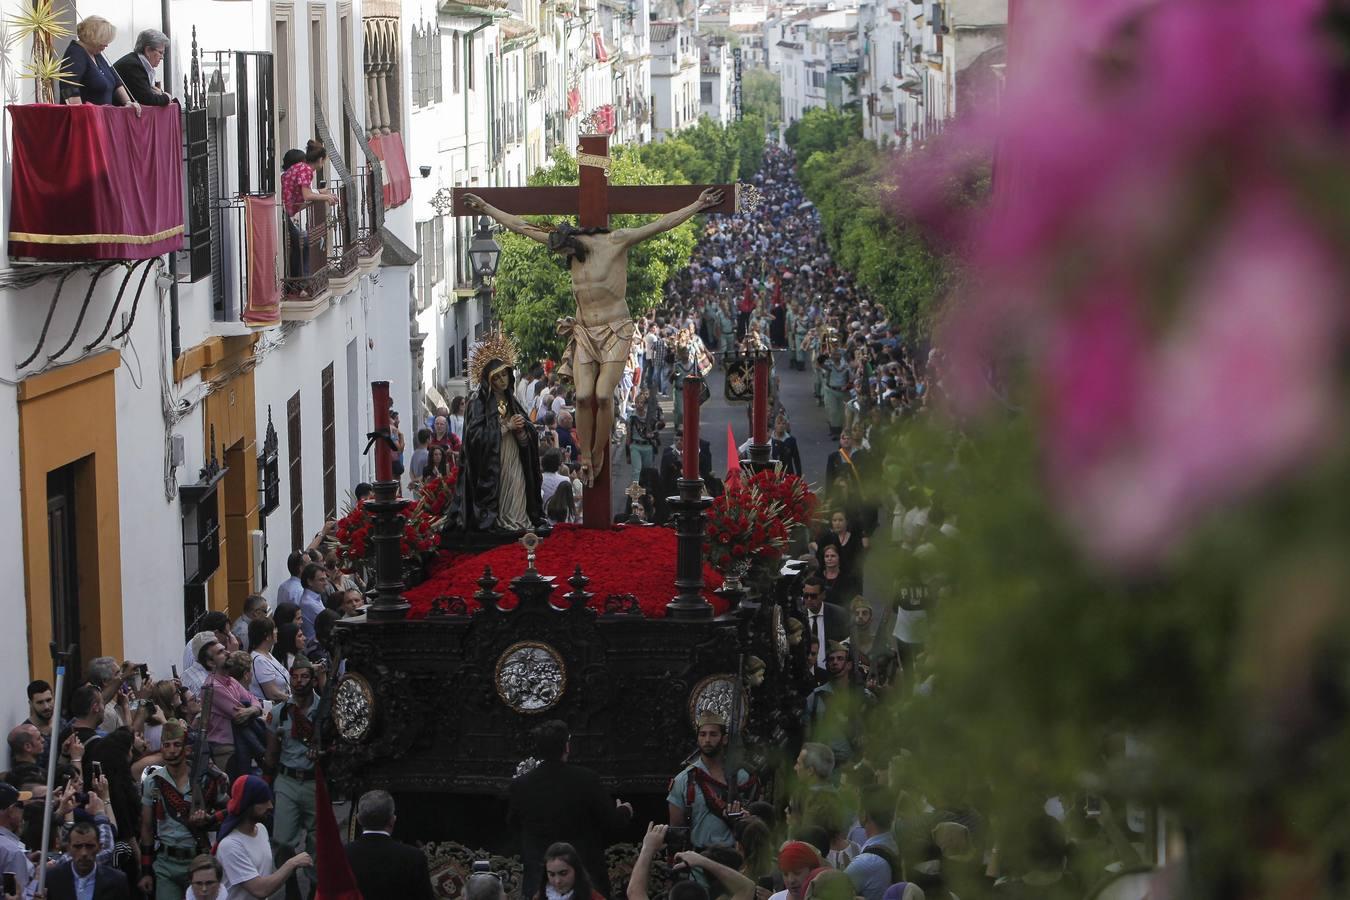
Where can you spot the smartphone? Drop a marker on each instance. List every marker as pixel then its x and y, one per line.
pixel 98 770
pixel 174 670
pixel 11 884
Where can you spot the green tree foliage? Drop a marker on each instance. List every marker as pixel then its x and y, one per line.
pixel 709 153
pixel 762 95
pixel 849 180
pixel 534 289
pixel 823 129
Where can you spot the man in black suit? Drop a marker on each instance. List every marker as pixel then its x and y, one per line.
pixel 555 802
pixel 137 68
pixel 66 881
pixel 825 622
pixel 385 869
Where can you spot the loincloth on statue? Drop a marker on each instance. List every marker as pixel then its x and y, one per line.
pixel 606 343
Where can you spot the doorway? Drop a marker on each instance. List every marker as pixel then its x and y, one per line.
pixel 63 557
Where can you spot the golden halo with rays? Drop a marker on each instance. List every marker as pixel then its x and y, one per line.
pixel 493 345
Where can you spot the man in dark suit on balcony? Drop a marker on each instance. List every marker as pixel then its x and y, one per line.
pixel 385 869
pixel 137 68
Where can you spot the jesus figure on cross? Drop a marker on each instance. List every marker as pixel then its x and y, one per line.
pixel 599 339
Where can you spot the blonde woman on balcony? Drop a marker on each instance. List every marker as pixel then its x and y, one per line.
pixel 92 79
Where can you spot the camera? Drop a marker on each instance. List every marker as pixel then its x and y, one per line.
pixel 677 839
pixel 481 867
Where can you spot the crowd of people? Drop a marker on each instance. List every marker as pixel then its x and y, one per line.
pixel 202 780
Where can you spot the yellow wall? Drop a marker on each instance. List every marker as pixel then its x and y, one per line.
pixel 231 411
pixel 64 416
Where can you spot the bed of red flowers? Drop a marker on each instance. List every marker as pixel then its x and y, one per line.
pixel 636 559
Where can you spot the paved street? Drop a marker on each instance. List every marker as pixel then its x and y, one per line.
pixel 808 424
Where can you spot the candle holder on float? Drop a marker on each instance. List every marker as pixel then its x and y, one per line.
pixel 690 507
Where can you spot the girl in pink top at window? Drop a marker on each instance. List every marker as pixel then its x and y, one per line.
pixel 297 189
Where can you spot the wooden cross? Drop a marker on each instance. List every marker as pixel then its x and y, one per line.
pixel 593 202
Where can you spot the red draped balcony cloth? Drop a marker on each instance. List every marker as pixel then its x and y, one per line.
pixel 397 181
pixel 95 182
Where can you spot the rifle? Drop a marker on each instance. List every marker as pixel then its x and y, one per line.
pixel 201 752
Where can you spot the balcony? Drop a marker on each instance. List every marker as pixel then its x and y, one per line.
pixel 306 288
pixel 248 254
pixel 344 255
pixel 369 244
pixel 95 183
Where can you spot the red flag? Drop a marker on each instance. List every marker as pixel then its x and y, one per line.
pixel 733 455
pixel 336 881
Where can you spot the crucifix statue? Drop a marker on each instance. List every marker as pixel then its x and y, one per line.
pixel 600 337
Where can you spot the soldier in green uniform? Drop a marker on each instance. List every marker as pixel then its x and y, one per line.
pixel 699 795
pixel 292 746
pixel 172 831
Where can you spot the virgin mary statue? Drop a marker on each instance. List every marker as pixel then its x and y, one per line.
pixel 499 481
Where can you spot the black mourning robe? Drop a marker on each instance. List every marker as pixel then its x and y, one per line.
pixel 478 488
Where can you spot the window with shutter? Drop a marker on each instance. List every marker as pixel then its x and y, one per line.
pixel 329 444
pixel 294 473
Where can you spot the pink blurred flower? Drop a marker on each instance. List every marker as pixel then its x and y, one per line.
pixel 1241 390
pixel 1176 309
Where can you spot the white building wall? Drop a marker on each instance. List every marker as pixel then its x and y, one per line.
pixel 373 316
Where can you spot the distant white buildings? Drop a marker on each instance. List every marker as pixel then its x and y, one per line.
pixel 717 81
pixel 816 53
pixel 911 64
pixel 675 78
pixel 922 64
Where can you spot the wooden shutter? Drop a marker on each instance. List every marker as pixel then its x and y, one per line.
pixel 329 446
pixel 294 472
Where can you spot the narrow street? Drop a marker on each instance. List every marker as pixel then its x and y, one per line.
pixel 807 424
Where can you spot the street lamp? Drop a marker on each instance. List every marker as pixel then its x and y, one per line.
pixel 483 256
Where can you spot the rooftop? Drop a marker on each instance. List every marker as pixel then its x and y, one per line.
pixel 663 31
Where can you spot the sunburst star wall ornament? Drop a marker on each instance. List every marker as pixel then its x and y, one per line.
pixel 44 23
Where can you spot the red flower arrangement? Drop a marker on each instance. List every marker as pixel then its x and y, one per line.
pixel 797 502
pixel 437 493
pixel 352 533
pixel 750 523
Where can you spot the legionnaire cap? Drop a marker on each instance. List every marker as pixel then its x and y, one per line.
pixel 173 730
pixel 301 661
pixel 200 640
pixel 708 717
pixel 835 647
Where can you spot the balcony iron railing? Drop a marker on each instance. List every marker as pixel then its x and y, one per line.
pixel 368 193
pixel 306 258
pixel 343 244
pixel 232 273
